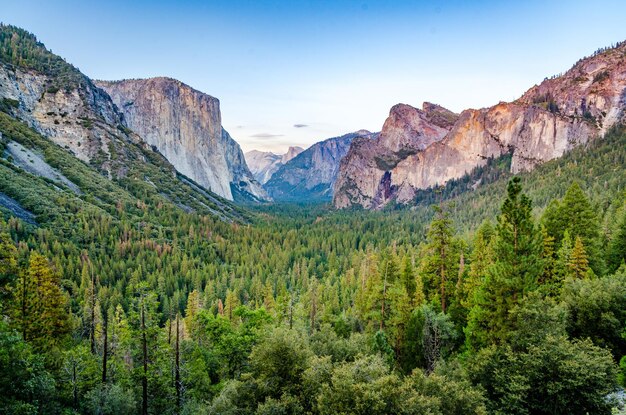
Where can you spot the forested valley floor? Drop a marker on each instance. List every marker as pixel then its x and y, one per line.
pixel 507 299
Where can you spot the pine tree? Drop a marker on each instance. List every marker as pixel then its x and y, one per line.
pixel 193 307
pixel 563 256
pixel 41 305
pixel 617 246
pixel 578 263
pixel 146 328
pixel 232 302
pixel 515 272
pixel 8 268
pixel 551 279
pixel 408 278
pixel 399 311
pixel 578 217
pixel 481 259
pixel 441 258
pixel 268 296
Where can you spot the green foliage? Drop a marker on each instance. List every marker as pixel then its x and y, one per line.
pixel 110 400
pixel 597 310
pixel 303 309
pixel 552 376
pixel 278 363
pixel 22 49
pixel 617 247
pixel 514 273
pixel 25 385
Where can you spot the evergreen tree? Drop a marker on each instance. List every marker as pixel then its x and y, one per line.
pixel 41 306
pixel 440 263
pixel 578 217
pixel 515 272
pixel 617 247
pixel 578 263
pixel 481 259
pixel 8 268
pixel 408 278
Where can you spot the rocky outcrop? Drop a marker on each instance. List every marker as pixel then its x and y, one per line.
pixel 79 117
pixel 263 164
pixel 184 125
pixel 548 120
pixel 364 177
pixel 311 174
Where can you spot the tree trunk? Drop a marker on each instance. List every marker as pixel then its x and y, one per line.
pixel 177 376
pixel 382 307
pixel 144 380
pixel 105 350
pixel 92 326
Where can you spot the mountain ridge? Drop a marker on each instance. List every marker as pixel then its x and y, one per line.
pixel 548 120
pixel 310 175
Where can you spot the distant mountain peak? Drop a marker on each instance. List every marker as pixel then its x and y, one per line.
pixel 311 174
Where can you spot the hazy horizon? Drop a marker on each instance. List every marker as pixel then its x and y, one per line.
pixel 294 73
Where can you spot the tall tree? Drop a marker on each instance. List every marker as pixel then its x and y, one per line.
pixel 481 259
pixel 578 262
pixel 146 321
pixel 515 272
pixel 617 246
pixel 8 267
pixel 575 214
pixel 441 258
pixel 41 305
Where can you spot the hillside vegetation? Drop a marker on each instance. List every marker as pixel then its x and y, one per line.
pixel 499 300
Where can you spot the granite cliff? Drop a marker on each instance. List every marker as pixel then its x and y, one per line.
pixel 311 174
pixel 185 126
pixel 418 149
pixel 263 164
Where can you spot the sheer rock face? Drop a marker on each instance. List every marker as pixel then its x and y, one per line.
pixel 420 149
pixel 82 119
pixel 263 164
pixel 311 174
pixel 185 126
pixel 365 174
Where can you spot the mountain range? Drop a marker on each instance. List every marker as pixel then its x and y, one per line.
pixel 119 128
pixel 420 149
pixel 263 164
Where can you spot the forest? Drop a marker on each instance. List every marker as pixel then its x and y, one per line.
pixel 493 294
pixel 507 299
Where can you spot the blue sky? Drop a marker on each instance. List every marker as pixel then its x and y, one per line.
pixel 295 72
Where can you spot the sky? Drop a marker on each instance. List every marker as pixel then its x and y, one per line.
pixel 297 72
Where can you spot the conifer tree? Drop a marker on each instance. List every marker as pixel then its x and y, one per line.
pixel 578 263
pixel 232 302
pixel 41 304
pixel 549 258
pixel 8 268
pixel 193 307
pixel 577 216
pixel 440 263
pixel 563 256
pixel 481 259
pixel 408 278
pixel 515 272
pixel 617 247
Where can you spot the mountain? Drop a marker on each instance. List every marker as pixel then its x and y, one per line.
pixel 263 164
pixel 311 174
pixel 58 126
pixel 549 119
pixel 185 126
pixel 61 103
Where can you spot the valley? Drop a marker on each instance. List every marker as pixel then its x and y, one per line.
pixel 452 263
